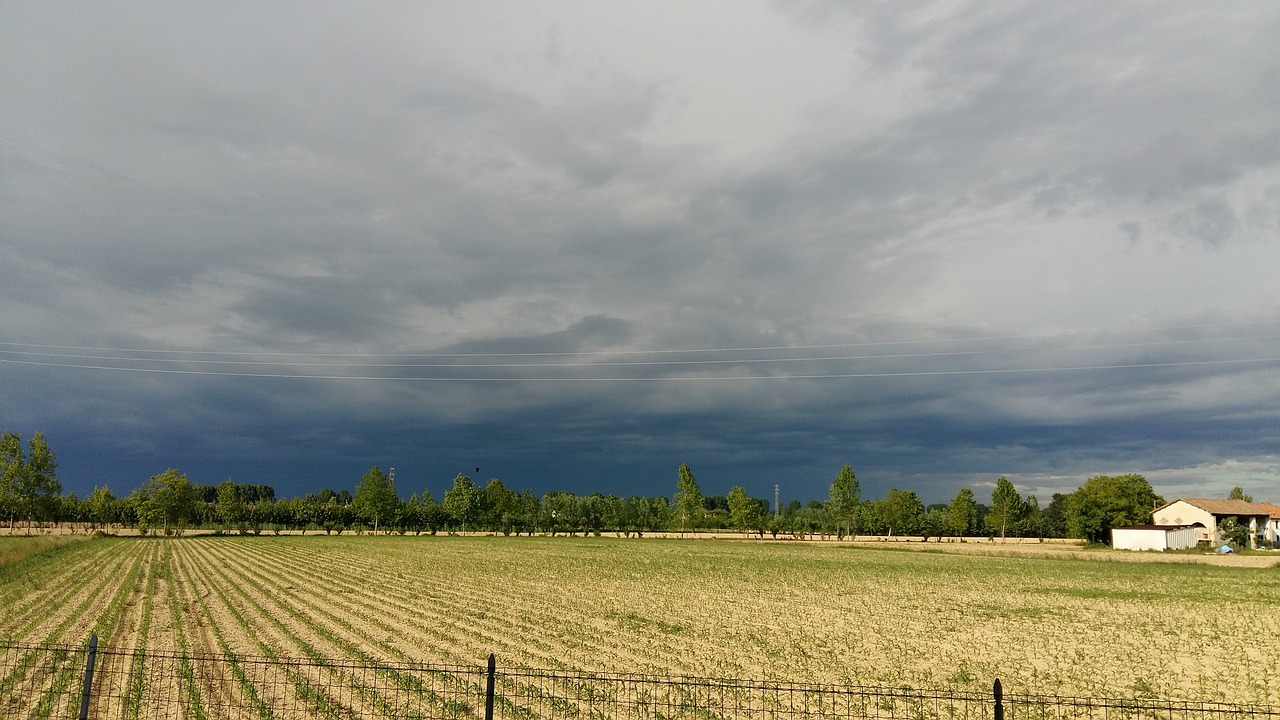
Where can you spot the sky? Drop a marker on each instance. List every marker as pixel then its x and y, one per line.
pixel 574 245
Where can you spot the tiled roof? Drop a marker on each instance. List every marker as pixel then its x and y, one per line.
pixel 1229 507
pixel 1274 509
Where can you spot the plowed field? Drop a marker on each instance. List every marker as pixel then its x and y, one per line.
pixel 757 610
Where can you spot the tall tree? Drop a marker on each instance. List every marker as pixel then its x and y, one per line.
pixel 1237 493
pixel 375 500
pixel 688 497
pixel 560 511
pixel 962 514
pixel 1104 502
pixel 102 507
pixel 743 511
pixel 1054 516
pixel 901 512
pixel 12 465
pixel 231 505
pixel 29 487
pixel 167 499
pixel 501 505
pixel 1007 508
pixel 844 499
pixel 462 501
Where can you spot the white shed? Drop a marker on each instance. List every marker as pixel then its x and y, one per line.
pixel 1153 537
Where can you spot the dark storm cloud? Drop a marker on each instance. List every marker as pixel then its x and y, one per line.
pixel 980 227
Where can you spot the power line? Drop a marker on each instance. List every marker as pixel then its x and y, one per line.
pixel 618 363
pixel 659 351
pixel 668 378
pixel 631 363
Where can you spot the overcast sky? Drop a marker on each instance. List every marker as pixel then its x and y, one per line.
pixel 577 244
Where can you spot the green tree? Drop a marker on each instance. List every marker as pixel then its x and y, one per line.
pixel 29 487
pixel 102 507
pixel 1007 508
pixel 1234 532
pixel 502 506
pixel 688 498
pixel 231 507
pixel 962 514
pixel 529 513
pixel 1054 516
pixel 901 512
pixel 870 518
pixel 934 523
pixel 844 499
pixel 12 465
pixel 657 514
pixel 167 500
pixel 560 512
pixel 335 515
pixel 462 501
pixel 414 517
pixel 1237 493
pixel 591 513
pixel 1104 502
pixel 743 510
pixel 1032 522
pixel 375 500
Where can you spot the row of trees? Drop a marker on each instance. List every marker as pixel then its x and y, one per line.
pixel 29 487
pixel 1103 502
pixel 169 502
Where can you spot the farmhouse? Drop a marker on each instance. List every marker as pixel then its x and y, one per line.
pixel 1272 533
pixel 1153 537
pixel 1205 514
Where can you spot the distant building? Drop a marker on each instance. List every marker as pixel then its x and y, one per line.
pixel 1205 514
pixel 1153 537
pixel 1272 533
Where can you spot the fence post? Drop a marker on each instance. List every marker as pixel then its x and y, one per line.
pixel 88 677
pixel 999 695
pixel 488 693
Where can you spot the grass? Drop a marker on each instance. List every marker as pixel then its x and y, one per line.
pixel 14 548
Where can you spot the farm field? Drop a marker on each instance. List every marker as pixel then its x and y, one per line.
pixel 784 611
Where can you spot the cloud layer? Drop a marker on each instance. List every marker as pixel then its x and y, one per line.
pixel 577 246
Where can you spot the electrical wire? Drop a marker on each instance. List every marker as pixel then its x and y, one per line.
pixel 140 360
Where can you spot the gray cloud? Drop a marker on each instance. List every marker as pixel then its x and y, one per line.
pixel 948 213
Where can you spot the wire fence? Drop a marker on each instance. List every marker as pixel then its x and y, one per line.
pixel 59 681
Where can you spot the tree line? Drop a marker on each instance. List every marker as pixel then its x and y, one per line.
pixel 170 503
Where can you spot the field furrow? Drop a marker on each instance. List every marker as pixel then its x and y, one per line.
pixel 543 634
pixel 41 588
pixel 283 633
pixel 783 611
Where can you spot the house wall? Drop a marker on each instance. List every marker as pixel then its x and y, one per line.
pixel 1181 512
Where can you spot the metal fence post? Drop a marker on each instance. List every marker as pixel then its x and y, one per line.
pixel 999 694
pixel 488 693
pixel 88 677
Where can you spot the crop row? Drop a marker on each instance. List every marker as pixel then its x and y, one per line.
pixel 323 632
pixel 37 679
pixel 704 608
